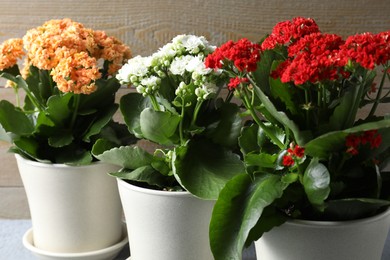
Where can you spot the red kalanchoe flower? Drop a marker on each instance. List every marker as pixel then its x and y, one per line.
pixel 293 153
pixel 371 137
pixel 289 31
pixel 367 49
pixel 234 82
pixel 288 160
pixel 243 54
pixel 299 151
pixel 313 58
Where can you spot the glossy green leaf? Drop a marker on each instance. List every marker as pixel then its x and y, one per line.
pixel 14 120
pixel 144 174
pixel 325 144
pixel 129 157
pixel 238 209
pixel 316 180
pixel 353 208
pixel 282 118
pixel 61 139
pixel 103 119
pixel 203 168
pixel 227 129
pixel 248 139
pixel 159 127
pixel 131 106
pixel 263 160
pixel 58 108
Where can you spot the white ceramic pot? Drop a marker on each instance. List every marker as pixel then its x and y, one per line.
pixel 73 208
pixel 362 239
pixel 166 225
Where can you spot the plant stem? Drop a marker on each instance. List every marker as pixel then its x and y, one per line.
pixel 250 108
pixel 196 111
pixel 181 123
pixel 155 104
pixel 17 98
pixel 378 96
pixel 75 110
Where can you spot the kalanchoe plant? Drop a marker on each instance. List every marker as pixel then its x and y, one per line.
pixel 69 83
pixel 307 153
pixel 178 108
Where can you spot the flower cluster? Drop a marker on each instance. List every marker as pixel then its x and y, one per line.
pixel 354 141
pixel 289 31
pixel 313 58
pixel 180 60
pixel 70 52
pixel 243 54
pixel 294 153
pixel 10 51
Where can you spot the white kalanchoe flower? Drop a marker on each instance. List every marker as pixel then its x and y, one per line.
pixel 182 90
pixel 206 91
pixel 194 44
pixel 165 55
pixel 179 64
pixel 134 70
pixel 149 86
pixel 196 65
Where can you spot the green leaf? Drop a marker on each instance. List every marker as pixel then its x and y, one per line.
pixel 103 96
pixel 238 209
pixel 28 145
pixel 61 139
pixel 58 108
pixel 14 120
pixel 227 129
pixel 325 144
pixel 72 155
pixel 159 127
pixel 131 106
pixel 142 174
pixel 344 114
pixel 263 160
pixel 104 118
pixel 129 157
pixel 353 208
pixel 203 168
pixel 316 180
pixel 248 139
pixel 282 118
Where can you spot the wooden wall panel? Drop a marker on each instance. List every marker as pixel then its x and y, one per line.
pixel 148 24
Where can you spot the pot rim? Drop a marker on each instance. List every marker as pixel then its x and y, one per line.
pixel 325 223
pixel 135 188
pixel 55 165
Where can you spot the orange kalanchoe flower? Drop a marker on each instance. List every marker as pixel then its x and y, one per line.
pixel 10 51
pixel 60 46
pixel 76 73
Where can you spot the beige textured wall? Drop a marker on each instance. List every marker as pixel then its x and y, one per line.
pixel 145 25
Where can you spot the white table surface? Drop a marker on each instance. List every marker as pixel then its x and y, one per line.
pixel 11 246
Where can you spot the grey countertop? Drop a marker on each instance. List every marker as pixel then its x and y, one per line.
pixel 11 246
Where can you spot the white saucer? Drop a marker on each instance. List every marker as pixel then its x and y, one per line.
pixel 101 254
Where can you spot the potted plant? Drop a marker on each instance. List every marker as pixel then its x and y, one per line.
pixel 311 159
pixel 69 86
pixel 168 190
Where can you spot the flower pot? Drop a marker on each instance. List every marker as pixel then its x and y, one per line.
pixel 73 209
pixel 326 240
pixel 166 225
